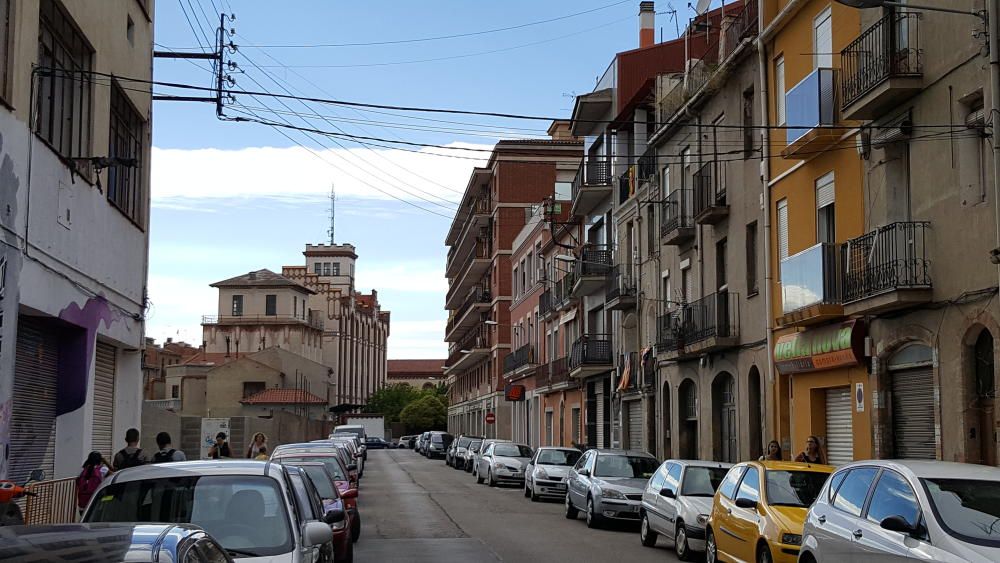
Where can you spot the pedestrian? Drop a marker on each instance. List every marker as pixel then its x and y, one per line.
pixel 166 453
pixel 262 454
pixel 259 441
pixel 95 469
pixel 773 452
pixel 813 453
pixel 220 449
pixel 131 455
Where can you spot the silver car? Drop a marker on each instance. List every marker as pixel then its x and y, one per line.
pixel 503 462
pixel 545 475
pixel 469 457
pixel 479 455
pixel 902 510
pixel 677 502
pixel 608 485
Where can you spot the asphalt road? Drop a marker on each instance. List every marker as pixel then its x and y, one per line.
pixel 417 510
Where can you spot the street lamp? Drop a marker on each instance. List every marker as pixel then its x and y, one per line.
pixel 565 258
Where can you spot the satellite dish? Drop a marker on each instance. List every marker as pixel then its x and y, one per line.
pixel 702 6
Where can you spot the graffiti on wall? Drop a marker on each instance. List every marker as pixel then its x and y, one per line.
pixel 75 362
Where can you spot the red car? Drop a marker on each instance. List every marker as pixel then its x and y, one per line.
pixel 333 464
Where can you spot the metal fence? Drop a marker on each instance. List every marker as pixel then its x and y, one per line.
pixel 595 171
pixel 708 190
pixel 887 49
pixel 518 358
pixel 591 349
pixel 55 502
pixel 743 25
pixel 620 283
pixel 676 211
pixel 595 259
pixel 888 258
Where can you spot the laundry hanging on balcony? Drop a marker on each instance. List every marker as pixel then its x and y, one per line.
pixel 631 180
pixel 626 374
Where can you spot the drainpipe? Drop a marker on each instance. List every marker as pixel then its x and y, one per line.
pixel 765 173
pixel 993 20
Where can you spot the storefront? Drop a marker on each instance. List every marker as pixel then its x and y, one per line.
pixel 824 384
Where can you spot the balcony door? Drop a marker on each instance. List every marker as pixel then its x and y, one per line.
pixel 823 39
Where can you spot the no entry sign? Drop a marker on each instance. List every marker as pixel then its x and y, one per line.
pixel 490 418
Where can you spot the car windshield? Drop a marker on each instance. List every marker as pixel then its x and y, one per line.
pixel 629 466
pixel 445 439
pixel 512 450
pixel 967 509
pixel 558 457
pixel 702 481
pixel 474 446
pixel 463 442
pixel 321 479
pixel 794 488
pixel 332 464
pixel 245 513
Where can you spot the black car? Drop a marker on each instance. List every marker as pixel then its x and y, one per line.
pixel 373 443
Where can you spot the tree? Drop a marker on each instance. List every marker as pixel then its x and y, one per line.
pixel 427 413
pixel 391 400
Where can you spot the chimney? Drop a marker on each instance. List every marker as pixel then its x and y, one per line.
pixel 647 24
pixel 252 275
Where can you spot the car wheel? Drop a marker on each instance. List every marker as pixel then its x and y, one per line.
pixel 356 527
pixel 489 479
pixel 681 542
pixel 763 554
pixel 593 519
pixel 646 536
pixel 571 510
pixel 711 550
pixel 534 497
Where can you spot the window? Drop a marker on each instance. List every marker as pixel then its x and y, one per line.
pixel 175 391
pixel 823 40
pixel 752 258
pixel 548 427
pixel 853 491
pixel 237 305
pixel 335 268
pixel 779 90
pixel 326 269
pixel 253 387
pixel 825 216
pixel 665 180
pixel 516 291
pixel 748 130
pixel 728 486
pixel 673 481
pixel 658 480
pixel 782 229
pixel 720 264
pixel 686 285
pixel 4 46
pixel 63 116
pixel 270 305
pixel 318 268
pixel 750 487
pixel 835 482
pixel 650 230
pixel 893 497
pixel 575 425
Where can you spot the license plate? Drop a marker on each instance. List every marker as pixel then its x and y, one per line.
pixel 518 475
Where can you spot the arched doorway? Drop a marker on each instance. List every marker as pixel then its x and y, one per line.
pixel 665 417
pixel 687 396
pixel 756 430
pixel 724 446
pixel 911 376
pixel 984 397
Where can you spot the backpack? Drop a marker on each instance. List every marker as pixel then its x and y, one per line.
pixel 164 457
pixel 131 460
pixel 87 485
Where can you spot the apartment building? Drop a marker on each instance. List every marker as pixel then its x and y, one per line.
pixel 918 272
pixel 74 220
pixel 700 267
pixel 518 175
pixel 156 359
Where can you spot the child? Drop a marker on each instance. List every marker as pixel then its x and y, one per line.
pixel 95 469
pixel 262 454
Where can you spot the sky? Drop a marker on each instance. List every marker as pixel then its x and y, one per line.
pixel 229 197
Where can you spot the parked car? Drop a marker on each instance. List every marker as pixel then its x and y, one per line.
pixel 903 510
pixel 336 468
pixel 349 460
pixel 503 462
pixel 608 484
pixel 438 444
pixel 458 450
pixel 327 499
pixel 469 457
pixel 545 474
pixel 758 511
pixel 677 502
pixel 245 505
pixel 311 506
pixel 407 441
pixel 355 431
pixel 139 543
pixel 422 442
pixel 358 450
pixel 375 443
pixel 479 455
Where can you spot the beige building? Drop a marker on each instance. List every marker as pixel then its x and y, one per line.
pixel 419 374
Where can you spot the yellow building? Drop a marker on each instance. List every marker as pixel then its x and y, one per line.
pixel 815 197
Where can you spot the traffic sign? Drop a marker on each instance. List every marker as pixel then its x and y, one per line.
pixel 490 418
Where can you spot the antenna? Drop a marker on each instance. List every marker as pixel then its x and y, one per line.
pixel 333 213
pixel 673 15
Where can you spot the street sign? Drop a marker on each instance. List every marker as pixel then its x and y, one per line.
pixel 490 418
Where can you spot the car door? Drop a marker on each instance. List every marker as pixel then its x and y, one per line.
pixel 651 499
pixel 669 506
pixel 743 523
pixel 529 469
pixel 828 524
pixel 574 486
pixel 722 509
pixel 892 496
pixel 485 461
pixel 843 521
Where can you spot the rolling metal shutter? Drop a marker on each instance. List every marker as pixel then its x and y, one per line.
pixel 33 416
pixel 839 431
pixel 913 413
pixel 634 417
pixel 104 398
pixel 601 413
pixel 783 229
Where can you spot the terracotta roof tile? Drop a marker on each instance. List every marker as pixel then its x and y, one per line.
pixel 283 397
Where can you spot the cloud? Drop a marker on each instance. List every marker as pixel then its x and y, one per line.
pixel 405 276
pixel 295 173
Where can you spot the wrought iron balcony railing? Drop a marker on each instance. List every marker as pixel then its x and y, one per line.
pixel 312 320
pixel 888 48
pixel 709 190
pixel 889 258
pixel 741 27
pixel 620 282
pixel 591 349
pixel 713 316
pixel 595 260
pixel 518 358
pixel 676 212
pixel 559 371
pixel 478 295
pixel 545 303
pixel 593 171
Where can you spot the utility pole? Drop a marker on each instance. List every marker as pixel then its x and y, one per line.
pixel 333 213
pixel 218 58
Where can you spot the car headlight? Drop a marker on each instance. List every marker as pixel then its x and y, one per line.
pixel 499 465
pixel 541 474
pixel 612 494
pixel 703 519
pixel 791 539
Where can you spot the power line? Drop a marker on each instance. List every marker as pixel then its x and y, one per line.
pixel 191 25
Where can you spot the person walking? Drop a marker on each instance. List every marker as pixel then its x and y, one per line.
pixel 131 455
pixel 95 469
pixel 813 453
pixel 259 441
pixel 773 452
pixel 220 449
pixel 166 453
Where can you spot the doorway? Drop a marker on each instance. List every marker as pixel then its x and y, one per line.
pixel 688 427
pixel 724 418
pixel 984 399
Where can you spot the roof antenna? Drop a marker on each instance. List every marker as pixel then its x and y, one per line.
pixel 333 213
pixel 673 15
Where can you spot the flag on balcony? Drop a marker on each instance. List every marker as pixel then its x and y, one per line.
pixel 627 373
pixel 631 180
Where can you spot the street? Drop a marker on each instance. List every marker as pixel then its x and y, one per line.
pixel 416 510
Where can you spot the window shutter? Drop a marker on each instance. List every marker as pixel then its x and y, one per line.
pixel 782 229
pixel 824 191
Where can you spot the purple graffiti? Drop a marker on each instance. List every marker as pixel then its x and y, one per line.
pixel 75 355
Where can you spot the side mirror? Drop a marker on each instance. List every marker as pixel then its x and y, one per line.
pixel 583 472
pixel 334 516
pixel 36 475
pixel 352 467
pixel 669 493
pixel 317 533
pixel 746 503
pixel 897 524
pixel 349 493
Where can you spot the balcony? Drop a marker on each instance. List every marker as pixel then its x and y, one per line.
pixel 882 67
pixel 562 292
pixel 677 224
pixel 591 269
pixel 710 205
pixel 546 304
pixel 163 404
pixel 811 111
pixel 313 320
pixel 459 257
pixel 590 355
pixel 472 349
pixel 811 286
pixel 520 362
pixel 592 185
pixel 887 269
pixel 468 314
pixel 620 292
pixel 710 324
pixel 626 186
pixel 471 275
pixel 740 27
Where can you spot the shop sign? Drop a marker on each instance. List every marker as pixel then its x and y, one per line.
pixel 829 347
pixel 514 392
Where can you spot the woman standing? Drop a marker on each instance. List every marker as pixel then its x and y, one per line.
pixel 95 469
pixel 813 453
pixel 773 452
pixel 259 441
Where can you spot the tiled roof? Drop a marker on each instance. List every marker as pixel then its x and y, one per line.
pixel 260 278
pixel 283 397
pixel 414 367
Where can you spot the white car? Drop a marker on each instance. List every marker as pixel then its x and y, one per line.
pixel 503 462
pixel 902 510
pixel 479 455
pixel 545 475
pixel 676 504
pixel 247 506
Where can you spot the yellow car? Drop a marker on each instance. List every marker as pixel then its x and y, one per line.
pixel 758 511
